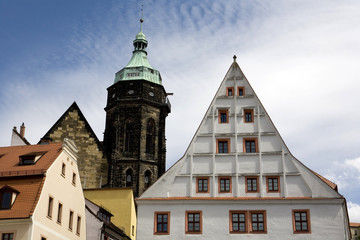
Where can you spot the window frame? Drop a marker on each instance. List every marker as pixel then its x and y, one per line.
pixel 222 111
pixel 197 184
pixel 50 207
pixel 267 184
pixel 243 91
pixel 63 169
pixel 251 221
pixel 232 91
pixel 129 172
pixel 6 197
pixel 150 137
pixel 59 215
pixel 231 230
pixel 156 232
pixel 71 220
pixel 308 222
pixel 246 184
pixel 78 225
pixel 248 111
pixel 10 234
pixel 187 231
pixel 230 184
pixel 250 139
pixel 73 181
pixel 222 140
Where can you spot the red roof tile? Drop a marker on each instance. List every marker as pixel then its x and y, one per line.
pixel 354 224
pixel 9 160
pixel 327 181
pixel 29 191
pixel 27 180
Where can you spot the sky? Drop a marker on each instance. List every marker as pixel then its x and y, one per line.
pixel 301 57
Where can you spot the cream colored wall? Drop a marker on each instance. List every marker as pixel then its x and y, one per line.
pixel 120 202
pixel 20 227
pixel 62 190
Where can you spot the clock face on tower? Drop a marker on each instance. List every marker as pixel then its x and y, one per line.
pixel 151 94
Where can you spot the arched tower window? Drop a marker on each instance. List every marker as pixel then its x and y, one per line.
pixel 147 178
pixel 129 178
pixel 129 135
pixel 150 136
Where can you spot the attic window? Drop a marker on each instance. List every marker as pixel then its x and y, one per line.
pixel 104 215
pixel 30 158
pixel 7 197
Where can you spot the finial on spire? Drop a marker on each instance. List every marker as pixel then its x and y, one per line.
pixel 234 58
pixel 142 17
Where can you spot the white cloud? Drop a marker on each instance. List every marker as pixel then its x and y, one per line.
pixel 301 57
pixel 354 212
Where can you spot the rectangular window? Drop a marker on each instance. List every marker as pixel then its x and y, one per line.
pixel 202 184
pixel 250 145
pixel 229 91
pixel 258 221
pixel 252 184
pixel 241 221
pixel 273 184
pixel 7 236
pixel 248 115
pixel 241 91
pixel 223 145
pixel 162 223
pixel 71 216
pixel 224 184
pixel 74 179
pixel 238 222
pixel 223 116
pixel 5 199
pixel 50 207
pixel 63 168
pixel 193 222
pixel 301 221
pixel 78 225
pixel 59 216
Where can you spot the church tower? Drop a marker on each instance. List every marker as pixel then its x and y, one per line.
pixel 134 137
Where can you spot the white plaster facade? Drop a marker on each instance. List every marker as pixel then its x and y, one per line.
pixel 61 188
pixel 59 183
pixel 237 118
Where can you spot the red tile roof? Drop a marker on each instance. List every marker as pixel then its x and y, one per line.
pixel 327 181
pixel 9 160
pixel 28 180
pixel 354 224
pixel 29 191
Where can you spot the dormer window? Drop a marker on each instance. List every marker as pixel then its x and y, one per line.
pixel 30 158
pixel 7 197
pixel 104 215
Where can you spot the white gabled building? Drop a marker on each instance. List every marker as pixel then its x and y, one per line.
pixel 238 179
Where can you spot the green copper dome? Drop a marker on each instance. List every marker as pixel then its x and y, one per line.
pixel 138 67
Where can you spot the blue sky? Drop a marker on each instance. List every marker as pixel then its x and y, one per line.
pixel 300 56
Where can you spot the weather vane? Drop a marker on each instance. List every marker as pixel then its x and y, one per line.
pixel 142 15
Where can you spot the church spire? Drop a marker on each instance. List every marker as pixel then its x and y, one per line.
pixel 139 67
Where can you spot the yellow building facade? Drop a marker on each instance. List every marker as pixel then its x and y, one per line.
pixel 120 203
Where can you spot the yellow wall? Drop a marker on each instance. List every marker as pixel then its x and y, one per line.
pixel 118 201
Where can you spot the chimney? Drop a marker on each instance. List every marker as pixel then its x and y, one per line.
pixel 22 130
